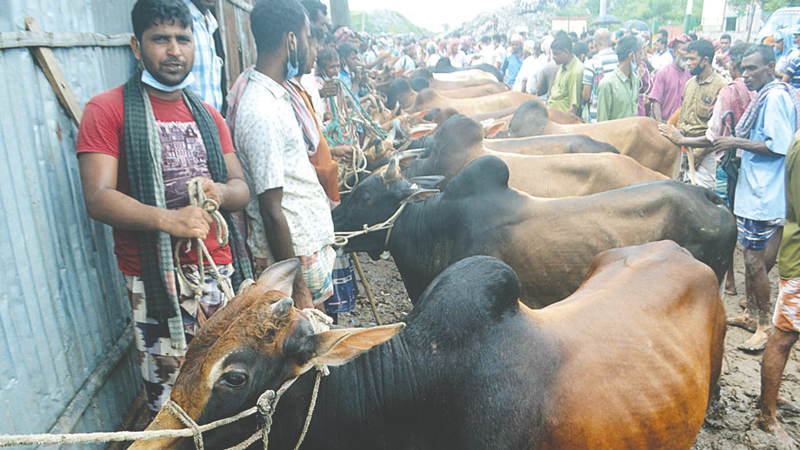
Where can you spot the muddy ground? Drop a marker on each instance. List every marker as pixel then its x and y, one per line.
pixel 728 426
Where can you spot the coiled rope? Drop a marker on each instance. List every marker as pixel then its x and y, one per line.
pixel 198 198
pixel 343 130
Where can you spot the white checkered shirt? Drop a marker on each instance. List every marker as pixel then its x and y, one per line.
pixel 207 67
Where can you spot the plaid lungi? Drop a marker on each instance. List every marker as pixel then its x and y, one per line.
pixel 159 362
pixel 316 270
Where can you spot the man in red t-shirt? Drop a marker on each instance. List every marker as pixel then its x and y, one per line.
pixel 107 148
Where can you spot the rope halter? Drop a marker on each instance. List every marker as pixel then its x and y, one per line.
pixel 267 401
pixel 343 237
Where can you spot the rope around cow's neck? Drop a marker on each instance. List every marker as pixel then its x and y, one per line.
pixel 268 401
pixel 265 406
pixel 343 237
pixel 198 198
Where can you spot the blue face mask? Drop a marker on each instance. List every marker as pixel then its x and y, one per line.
pixel 291 70
pixel 148 79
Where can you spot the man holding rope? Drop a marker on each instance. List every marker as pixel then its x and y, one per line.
pixel 764 133
pixel 153 118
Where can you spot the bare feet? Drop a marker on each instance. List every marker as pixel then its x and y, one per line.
pixel 771 425
pixel 745 321
pixel 758 341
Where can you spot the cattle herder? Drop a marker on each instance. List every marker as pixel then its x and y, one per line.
pixel 699 95
pixel 153 118
pixel 768 124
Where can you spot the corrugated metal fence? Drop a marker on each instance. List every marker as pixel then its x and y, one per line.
pixel 62 301
pixel 63 304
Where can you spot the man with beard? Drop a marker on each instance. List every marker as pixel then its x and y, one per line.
pixel 733 97
pixel 764 133
pixel 288 215
pixel 699 95
pixel 668 84
pixel 154 118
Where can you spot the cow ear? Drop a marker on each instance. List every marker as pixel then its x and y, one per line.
pixel 415 194
pixel 281 276
pixel 418 115
pixel 428 181
pixel 338 346
pixel 421 130
pixel 495 128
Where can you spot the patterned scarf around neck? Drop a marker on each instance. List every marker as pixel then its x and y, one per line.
pixel 143 153
pixel 748 120
pixel 305 118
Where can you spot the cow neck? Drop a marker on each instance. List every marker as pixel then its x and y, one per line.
pixel 554 128
pixel 424 228
pixel 356 401
pixel 406 105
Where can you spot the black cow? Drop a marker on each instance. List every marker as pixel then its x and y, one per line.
pixel 550 243
pixel 627 363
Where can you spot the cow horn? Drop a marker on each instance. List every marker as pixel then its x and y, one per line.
pixel 281 308
pixel 391 175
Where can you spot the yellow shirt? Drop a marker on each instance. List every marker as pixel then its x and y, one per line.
pixel 697 101
pixel 567 86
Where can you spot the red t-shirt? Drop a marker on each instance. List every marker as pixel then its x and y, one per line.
pixel 183 158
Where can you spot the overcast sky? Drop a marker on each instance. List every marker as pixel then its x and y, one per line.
pixel 431 14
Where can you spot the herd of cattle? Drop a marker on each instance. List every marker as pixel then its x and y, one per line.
pixel 565 290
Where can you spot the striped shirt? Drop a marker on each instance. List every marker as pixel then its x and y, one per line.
pixel 600 65
pixel 207 68
pixel 794 73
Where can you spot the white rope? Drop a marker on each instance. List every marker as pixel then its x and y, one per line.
pixel 265 406
pixel 343 237
pixel 198 198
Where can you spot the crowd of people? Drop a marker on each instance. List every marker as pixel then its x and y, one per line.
pixel 268 152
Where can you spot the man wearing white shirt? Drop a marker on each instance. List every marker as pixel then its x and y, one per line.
pixel 528 76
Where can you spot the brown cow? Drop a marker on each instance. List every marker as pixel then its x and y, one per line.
pixel 627 362
pixel 401 91
pixel 637 137
pixel 460 140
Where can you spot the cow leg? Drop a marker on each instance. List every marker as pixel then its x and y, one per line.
pixel 772 366
pixel 730 279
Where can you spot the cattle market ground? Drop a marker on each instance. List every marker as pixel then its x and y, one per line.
pixel 728 426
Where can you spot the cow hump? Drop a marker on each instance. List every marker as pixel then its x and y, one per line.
pixel 468 295
pixel 486 174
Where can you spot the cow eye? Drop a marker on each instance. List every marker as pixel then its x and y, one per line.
pixel 234 379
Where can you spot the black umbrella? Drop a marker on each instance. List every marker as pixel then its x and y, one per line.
pixel 605 19
pixel 636 24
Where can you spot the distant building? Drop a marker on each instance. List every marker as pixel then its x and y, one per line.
pixel 576 24
pixel 719 17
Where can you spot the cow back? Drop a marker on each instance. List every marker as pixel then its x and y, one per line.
pixel 656 313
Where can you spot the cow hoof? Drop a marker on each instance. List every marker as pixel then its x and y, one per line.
pixel 731 292
pixel 743 321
